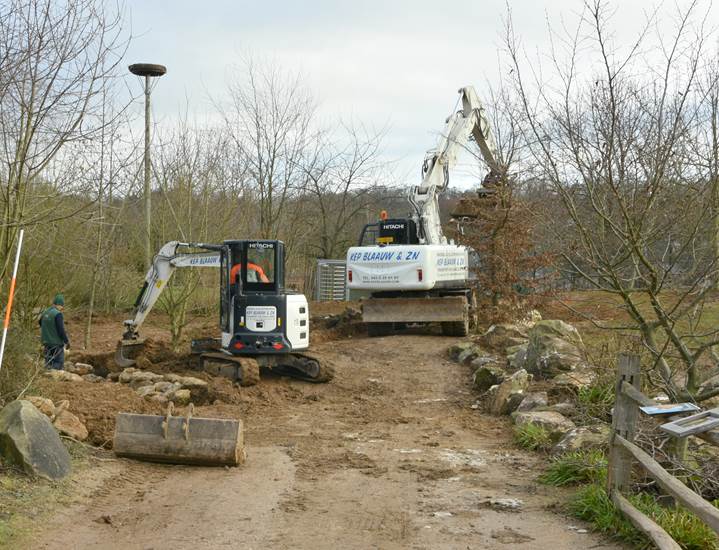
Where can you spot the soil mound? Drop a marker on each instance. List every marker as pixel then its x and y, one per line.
pixel 97 404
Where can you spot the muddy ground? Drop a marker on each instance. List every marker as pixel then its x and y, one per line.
pixel 389 454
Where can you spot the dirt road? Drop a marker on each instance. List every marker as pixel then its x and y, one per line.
pixel 388 455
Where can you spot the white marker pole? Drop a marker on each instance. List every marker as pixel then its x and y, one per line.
pixel 11 296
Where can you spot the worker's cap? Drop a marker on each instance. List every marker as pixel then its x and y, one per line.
pixel 59 300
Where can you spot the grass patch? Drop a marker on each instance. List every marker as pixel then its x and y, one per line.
pixel 576 467
pixel 532 437
pixel 597 399
pixel 593 504
pixel 25 501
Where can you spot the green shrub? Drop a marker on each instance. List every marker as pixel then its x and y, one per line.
pixel 576 467
pixel 532 437
pixel 593 504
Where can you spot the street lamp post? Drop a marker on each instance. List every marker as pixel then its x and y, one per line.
pixel 148 70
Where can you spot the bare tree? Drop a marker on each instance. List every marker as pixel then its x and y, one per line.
pixel 57 56
pixel 197 204
pixel 340 179
pixel 614 134
pixel 269 118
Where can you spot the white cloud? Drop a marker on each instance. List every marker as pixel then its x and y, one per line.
pixel 380 62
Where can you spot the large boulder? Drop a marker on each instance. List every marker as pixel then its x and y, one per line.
pixel 555 347
pixel 63 376
pixel 199 389
pixel 517 356
pixel 567 385
pixel 567 408
pixel 556 424
pixel 160 398
pixel 144 378
pixel 190 382
pixel 503 336
pixel 146 391
pixel 533 401
pixel 180 397
pixel 584 437
pixel 465 352
pixel 162 386
pixel 509 394
pixel 43 404
pixel 78 368
pixel 68 424
pixel 126 375
pixel 487 376
pixel 28 440
pixel 482 360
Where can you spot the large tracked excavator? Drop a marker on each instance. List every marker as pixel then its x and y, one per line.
pixel 413 273
pixel 262 324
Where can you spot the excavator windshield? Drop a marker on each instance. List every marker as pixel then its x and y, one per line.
pixel 255 273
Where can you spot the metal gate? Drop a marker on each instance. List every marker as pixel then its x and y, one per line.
pixel 331 281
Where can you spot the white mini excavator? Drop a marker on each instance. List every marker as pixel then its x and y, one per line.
pixel 413 273
pixel 262 324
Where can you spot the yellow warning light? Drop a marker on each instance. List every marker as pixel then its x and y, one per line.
pixel 383 215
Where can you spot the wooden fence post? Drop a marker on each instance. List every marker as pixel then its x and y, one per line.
pixel 624 419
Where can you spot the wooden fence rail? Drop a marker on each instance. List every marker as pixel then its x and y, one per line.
pixel 623 453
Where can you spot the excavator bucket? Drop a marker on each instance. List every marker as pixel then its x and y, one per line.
pixel 126 352
pixel 179 440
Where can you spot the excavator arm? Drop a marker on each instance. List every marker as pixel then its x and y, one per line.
pixel 163 266
pixel 469 121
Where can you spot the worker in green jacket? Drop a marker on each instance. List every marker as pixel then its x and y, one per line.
pixel 52 332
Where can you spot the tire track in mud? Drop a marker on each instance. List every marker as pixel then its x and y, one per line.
pixel 388 455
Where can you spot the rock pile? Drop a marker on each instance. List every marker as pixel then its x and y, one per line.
pixel 74 372
pixel 160 388
pixel 164 388
pixel 64 421
pixel 348 316
pixel 549 351
pixel 554 347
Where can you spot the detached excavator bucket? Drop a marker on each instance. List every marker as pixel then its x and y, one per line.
pixel 179 440
pixel 126 351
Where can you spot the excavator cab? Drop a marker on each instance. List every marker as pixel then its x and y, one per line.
pixel 257 314
pixel 389 232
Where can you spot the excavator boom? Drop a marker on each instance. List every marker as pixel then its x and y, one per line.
pixel 412 272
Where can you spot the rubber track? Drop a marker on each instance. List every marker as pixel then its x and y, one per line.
pixel 326 373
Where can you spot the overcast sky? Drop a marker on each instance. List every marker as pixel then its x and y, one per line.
pixel 384 63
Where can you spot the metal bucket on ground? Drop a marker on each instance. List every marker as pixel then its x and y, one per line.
pixel 179 439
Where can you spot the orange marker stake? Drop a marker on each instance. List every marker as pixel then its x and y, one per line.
pixel 8 310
